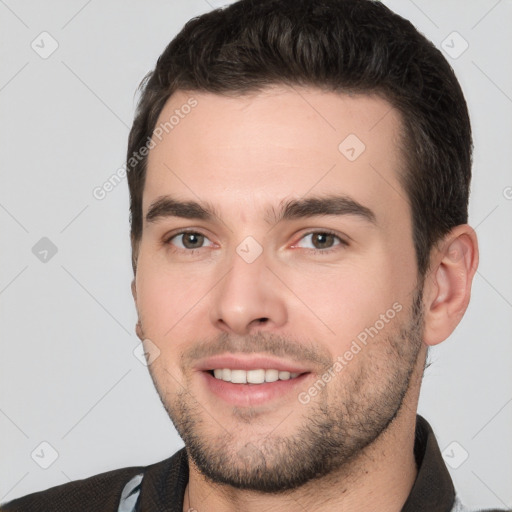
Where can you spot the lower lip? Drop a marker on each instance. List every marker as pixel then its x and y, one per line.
pixel 251 394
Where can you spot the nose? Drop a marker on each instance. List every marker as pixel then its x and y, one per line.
pixel 248 299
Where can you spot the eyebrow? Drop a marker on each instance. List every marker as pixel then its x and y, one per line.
pixel 166 206
pixel 325 205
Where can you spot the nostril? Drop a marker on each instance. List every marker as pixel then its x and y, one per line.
pixel 262 320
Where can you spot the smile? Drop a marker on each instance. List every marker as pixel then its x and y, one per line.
pixel 258 376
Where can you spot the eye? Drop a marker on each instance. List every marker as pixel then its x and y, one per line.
pixel 189 240
pixel 320 241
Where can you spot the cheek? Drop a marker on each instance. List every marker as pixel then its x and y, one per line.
pixel 343 303
pixel 165 312
pixel 167 296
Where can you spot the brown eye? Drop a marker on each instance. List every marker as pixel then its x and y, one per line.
pixel 189 240
pixel 192 240
pixel 320 241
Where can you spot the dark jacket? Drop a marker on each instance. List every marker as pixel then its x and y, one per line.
pixel 163 486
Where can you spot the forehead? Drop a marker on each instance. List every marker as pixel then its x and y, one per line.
pixel 279 143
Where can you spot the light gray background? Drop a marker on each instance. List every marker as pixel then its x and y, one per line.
pixel 68 375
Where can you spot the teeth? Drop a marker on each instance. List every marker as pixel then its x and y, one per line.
pixel 223 374
pixel 255 376
pixel 271 375
pixel 238 376
pixel 252 376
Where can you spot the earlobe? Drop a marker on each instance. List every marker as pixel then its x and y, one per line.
pixel 448 286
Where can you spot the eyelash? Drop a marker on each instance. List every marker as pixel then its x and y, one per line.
pixel 169 239
pixel 341 241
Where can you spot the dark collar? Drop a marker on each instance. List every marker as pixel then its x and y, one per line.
pixel 164 483
pixel 433 488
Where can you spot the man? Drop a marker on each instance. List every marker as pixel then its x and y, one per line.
pixel 299 176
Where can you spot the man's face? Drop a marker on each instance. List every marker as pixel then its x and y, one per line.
pixel 297 255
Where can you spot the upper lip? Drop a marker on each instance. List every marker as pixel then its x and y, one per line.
pixel 249 362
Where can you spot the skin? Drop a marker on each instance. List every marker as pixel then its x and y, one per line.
pixel 246 156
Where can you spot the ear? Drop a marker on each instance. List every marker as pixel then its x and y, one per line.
pixel 447 290
pixel 138 325
pixel 134 291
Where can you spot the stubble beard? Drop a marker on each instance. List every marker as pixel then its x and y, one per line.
pixel 350 413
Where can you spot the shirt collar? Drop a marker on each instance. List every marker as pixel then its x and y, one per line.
pixel 433 488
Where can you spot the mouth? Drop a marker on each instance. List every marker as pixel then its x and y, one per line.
pixel 258 376
pixel 248 380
